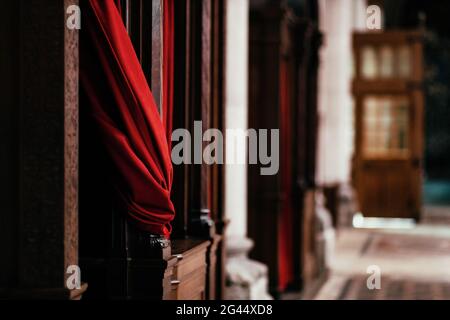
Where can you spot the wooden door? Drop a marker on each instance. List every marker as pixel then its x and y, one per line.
pixel 389 124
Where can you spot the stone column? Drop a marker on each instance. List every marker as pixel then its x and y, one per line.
pixel 247 279
pixel 338 20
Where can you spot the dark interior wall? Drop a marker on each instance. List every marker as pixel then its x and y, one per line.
pixel 437 152
pixel 411 13
pixel 433 15
pixel 33 138
pixel 9 114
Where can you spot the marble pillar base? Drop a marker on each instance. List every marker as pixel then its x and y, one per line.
pixel 348 205
pixel 325 234
pixel 246 279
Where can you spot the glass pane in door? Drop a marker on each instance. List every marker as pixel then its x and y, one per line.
pixel 386 126
pixel 369 60
pixel 404 61
pixel 386 62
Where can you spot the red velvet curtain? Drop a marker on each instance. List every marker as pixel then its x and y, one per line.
pixel 285 234
pixel 127 117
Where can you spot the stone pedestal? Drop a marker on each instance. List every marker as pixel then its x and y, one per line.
pixel 325 234
pixel 246 279
pixel 348 205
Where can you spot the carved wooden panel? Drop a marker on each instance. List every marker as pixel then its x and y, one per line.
pixel 157 52
pixel 71 142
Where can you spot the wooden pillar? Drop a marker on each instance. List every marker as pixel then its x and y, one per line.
pixel 202 222
pixel 264 194
pixel 284 35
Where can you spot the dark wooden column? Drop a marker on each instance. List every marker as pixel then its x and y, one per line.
pixel 199 104
pixel 307 49
pixel 264 203
pixel 180 188
pixel 200 222
pixel 284 34
pixel 217 187
pixel 45 77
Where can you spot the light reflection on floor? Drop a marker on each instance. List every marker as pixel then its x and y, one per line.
pixel 414 261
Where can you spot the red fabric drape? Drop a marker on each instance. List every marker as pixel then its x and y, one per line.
pixel 127 118
pixel 285 234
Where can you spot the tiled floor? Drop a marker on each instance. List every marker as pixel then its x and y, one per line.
pixel 414 264
pixel 355 288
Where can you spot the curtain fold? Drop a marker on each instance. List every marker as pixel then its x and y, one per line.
pixel 127 117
